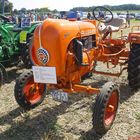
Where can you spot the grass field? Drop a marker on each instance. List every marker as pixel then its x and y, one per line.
pixel 68 121
pixel 131 11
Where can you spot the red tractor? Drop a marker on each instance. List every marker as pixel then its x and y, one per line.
pixel 63 52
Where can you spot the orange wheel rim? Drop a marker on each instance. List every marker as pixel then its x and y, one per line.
pixel 33 91
pixel 111 108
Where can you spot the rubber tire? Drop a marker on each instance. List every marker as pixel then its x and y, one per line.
pixel 134 67
pixel 19 96
pixel 99 108
pixel 25 55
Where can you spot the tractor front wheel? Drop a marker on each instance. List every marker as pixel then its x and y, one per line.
pixel 27 93
pixel 105 108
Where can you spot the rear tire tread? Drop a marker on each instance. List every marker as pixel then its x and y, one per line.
pixel 134 67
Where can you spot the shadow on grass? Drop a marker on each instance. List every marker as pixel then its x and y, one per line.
pixel 44 126
pixel 12 74
pixel 125 93
pixel 9 118
pixel 90 135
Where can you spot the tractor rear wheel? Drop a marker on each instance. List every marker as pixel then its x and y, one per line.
pixel 134 67
pixel 27 93
pixel 105 108
pixel 25 52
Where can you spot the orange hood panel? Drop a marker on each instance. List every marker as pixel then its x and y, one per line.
pixel 52 38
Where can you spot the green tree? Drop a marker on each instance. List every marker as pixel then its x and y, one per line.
pixel 8 6
pixel 44 10
pixel 54 11
pixel 15 11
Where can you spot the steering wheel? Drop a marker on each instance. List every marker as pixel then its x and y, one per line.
pixel 102 14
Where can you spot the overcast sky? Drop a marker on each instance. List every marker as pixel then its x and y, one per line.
pixel 67 4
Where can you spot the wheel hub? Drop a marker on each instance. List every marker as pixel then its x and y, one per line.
pixel 111 108
pixel 32 90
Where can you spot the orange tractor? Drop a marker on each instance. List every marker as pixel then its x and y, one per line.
pixel 63 52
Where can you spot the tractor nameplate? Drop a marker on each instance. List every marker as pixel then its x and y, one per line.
pixel 43 56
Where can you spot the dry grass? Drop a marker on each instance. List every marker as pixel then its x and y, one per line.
pixel 69 121
pixel 127 30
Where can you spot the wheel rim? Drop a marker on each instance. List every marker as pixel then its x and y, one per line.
pixel 33 92
pixel 111 108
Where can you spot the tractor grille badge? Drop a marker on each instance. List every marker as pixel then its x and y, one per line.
pixel 43 56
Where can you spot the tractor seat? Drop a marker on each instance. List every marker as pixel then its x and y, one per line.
pixel 114 26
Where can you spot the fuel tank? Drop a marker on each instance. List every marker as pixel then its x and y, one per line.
pixel 52 38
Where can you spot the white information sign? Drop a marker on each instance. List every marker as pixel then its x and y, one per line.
pixel 25 22
pixel 59 96
pixel 45 75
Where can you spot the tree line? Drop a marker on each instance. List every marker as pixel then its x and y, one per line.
pixel 113 8
pixel 9 8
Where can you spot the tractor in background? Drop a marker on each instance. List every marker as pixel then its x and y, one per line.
pixel 64 51
pixel 14 44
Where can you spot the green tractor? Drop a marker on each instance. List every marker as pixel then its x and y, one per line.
pixel 14 44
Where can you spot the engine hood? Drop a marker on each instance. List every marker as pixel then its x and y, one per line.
pixel 52 38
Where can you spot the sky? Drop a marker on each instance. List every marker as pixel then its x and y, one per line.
pixel 67 4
